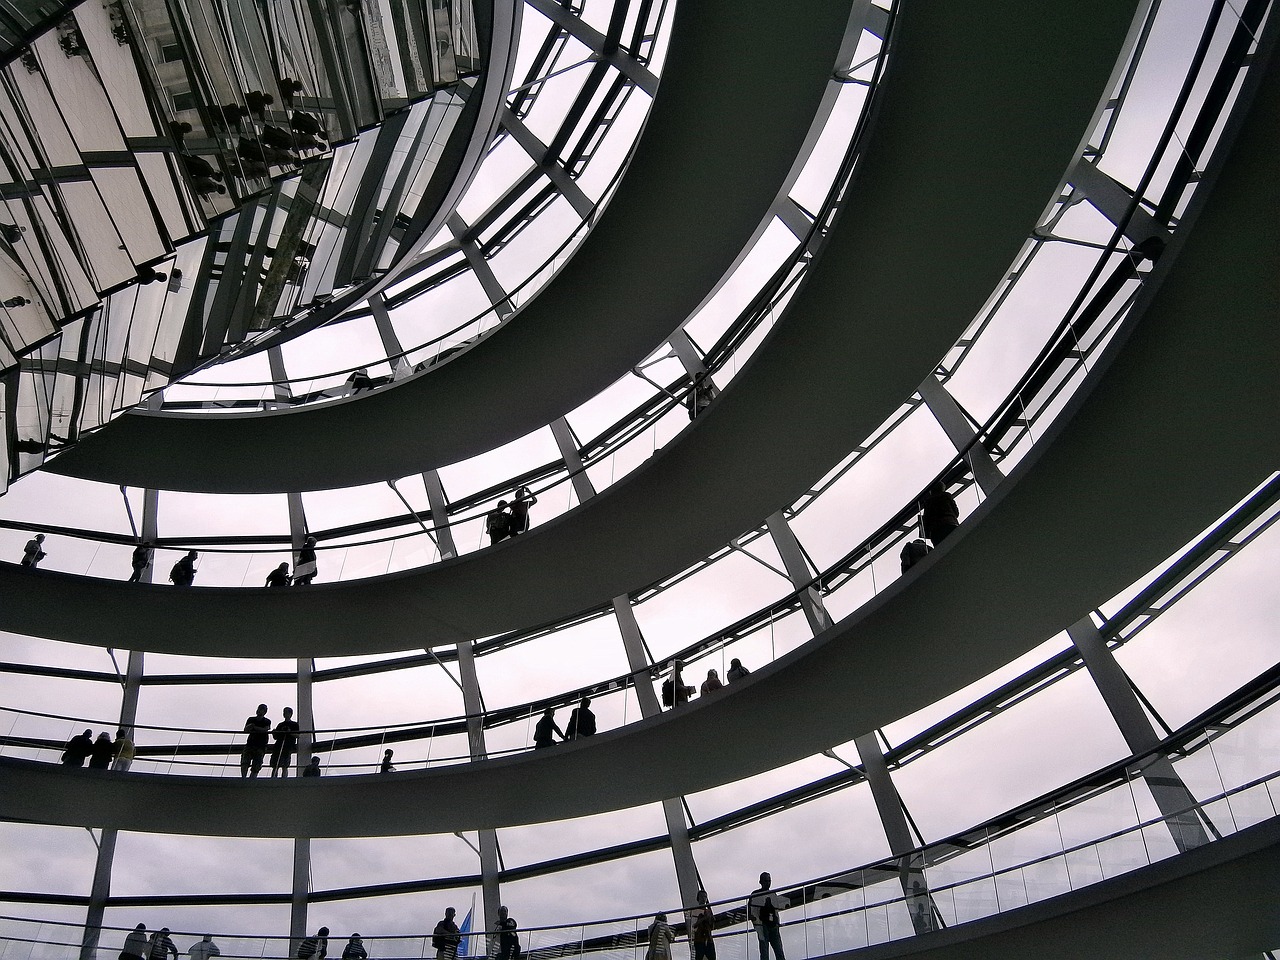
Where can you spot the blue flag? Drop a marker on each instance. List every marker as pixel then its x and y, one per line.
pixel 464 948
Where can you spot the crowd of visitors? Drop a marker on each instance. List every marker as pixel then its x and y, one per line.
pixel 503 942
pixel 102 752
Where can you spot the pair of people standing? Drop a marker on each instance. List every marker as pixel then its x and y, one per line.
pixel 510 519
pixel 258 730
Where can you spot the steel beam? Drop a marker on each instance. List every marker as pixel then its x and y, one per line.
pixel 960 432
pixel 1177 804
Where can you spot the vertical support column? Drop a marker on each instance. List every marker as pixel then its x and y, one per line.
pixel 687 353
pixel 502 305
pixel 894 821
pixel 307 722
pixel 100 888
pixel 473 704
pixel 672 807
pixel 1176 803
pixel 641 678
pixel 301 888
pixel 382 321
pixel 439 514
pixel 798 571
pixel 960 432
pixel 568 448
pixel 279 376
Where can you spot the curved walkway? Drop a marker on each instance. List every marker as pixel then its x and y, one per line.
pixel 1214 901
pixel 954 162
pixel 1141 461
pixel 739 92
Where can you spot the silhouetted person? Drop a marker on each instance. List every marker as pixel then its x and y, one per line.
pixel 135 944
pixel 354 950
pixel 200 167
pixel 13 303
pixel 762 911
pixel 446 936
pixel 204 949
pixel 498 522
pixel 736 671
pixel 289 88
pixel 286 742
pixel 519 521
pixel 702 925
pixel 33 552
pixel 277 137
pixel 660 938
pixel 258 729
pixel 205 187
pixel 359 380
pixel 102 752
pixel 123 750
pixel 700 395
pixel 508 939
pixel 161 946
pixel 78 749
pixel 312 769
pixel 258 103
pixel 306 123
pixel 228 116
pixel 939 513
pixel 315 947
pixel 913 551
pixel 279 577
pixel 711 684
pixel 141 560
pixel 178 129
pixel 387 766
pixel 545 728
pixel 680 691
pixel 305 570
pixel 183 573
pixel 255 151
pixel 582 722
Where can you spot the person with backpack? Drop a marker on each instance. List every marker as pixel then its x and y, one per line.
pixel 33 552
pixel 497 523
pixel 675 692
pixel 913 551
pixel 446 936
pixel 315 948
pixel 702 925
pixel 508 939
pixel 762 911
pixel 183 573
pixel 939 515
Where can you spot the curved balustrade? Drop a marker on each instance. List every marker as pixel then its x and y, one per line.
pixel 1134 422
pixel 1094 829
pixel 415 541
pixel 357 750
pixel 399 551
pixel 603 305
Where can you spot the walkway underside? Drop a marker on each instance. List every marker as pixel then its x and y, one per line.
pixel 1215 902
pixel 943 202
pixel 740 89
pixel 1173 410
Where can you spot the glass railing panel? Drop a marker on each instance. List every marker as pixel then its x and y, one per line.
pixel 726 591
pixel 574 657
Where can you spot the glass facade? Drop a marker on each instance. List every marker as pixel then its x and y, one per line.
pixel 1105 746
